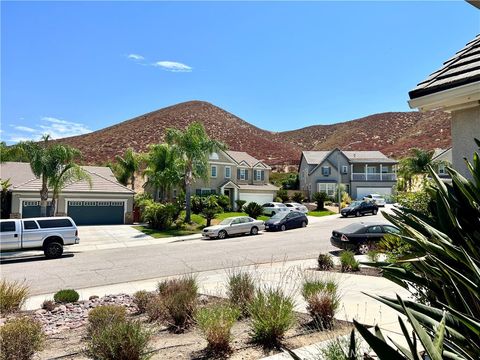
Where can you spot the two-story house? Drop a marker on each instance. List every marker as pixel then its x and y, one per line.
pixel 444 158
pixel 361 172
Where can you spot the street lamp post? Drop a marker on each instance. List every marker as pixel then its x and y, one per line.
pixel 339 180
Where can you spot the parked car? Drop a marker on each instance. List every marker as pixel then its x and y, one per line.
pixel 273 208
pixel 297 207
pixel 377 199
pixel 49 234
pixel 286 220
pixel 234 226
pixel 360 237
pixel 360 208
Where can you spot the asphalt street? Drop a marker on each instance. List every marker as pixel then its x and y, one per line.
pixel 111 266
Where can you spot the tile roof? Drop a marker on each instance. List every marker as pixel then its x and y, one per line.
pixel 22 179
pixel 317 157
pixel 461 69
pixel 263 187
pixel 240 156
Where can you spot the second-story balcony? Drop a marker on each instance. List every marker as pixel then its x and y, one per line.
pixel 374 176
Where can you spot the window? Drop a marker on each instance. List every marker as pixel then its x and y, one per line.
pixel 7 226
pixel 243 174
pixel 374 229
pixel 441 169
pixel 384 169
pixel 205 192
pixel 344 169
pixel 371 170
pixel 214 156
pixel 214 171
pixel 328 188
pixel 259 175
pixel 54 223
pixel 30 225
pixel 326 170
pixel 228 172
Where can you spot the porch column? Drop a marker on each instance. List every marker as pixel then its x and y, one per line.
pixel 351 171
pixel 235 198
pixel 366 172
pixel 380 172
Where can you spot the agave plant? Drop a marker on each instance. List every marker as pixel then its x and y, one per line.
pixel 444 274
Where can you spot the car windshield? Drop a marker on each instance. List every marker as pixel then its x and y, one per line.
pixel 355 203
pixel 226 221
pixel 289 205
pixel 279 216
pixel 281 205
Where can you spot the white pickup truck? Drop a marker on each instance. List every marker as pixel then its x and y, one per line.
pixel 49 234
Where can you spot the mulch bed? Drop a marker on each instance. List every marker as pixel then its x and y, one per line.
pixel 366 271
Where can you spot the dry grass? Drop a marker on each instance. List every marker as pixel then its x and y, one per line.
pixel 20 338
pixel 12 295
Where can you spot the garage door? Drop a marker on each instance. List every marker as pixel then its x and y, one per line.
pixel 31 209
pixel 256 197
pixel 364 191
pixel 96 212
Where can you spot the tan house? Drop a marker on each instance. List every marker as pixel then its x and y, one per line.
pixel 444 158
pixel 105 202
pixel 361 172
pixel 455 88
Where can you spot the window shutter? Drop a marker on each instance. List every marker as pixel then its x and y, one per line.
pixel 246 174
pixel 329 170
pixel 262 174
pixel 238 174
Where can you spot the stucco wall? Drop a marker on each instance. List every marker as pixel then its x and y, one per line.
pixel 465 126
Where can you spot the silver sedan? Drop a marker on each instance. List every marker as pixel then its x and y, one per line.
pixel 233 226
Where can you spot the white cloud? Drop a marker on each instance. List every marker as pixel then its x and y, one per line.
pixel 135 57
pixel 24 128
pixel 173 66
pixel 58 128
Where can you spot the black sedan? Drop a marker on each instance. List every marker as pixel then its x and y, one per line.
pixel 360 208
pixel 361 237
pixel 284 221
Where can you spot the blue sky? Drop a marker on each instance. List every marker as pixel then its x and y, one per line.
pixel 73 67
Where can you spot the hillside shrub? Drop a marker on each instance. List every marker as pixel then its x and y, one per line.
pixel 322 301
pixel 297 197
pixel 241 290
pixel 216 323
pixel 104 316
pixel 320 198
pixel 159 216
pixel 12 295
pixel 66 296
pixel 20 339
pixel 253 209
pixel 141 299
pixel 271 313
pixel 120 340
pixel 240 204
pixel 48 305
pixel 325 262
pixel 282 194
pixel 348 262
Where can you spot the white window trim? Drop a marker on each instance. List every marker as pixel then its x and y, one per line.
pixel 328 188
pixel 329 170
pixel 242 174
pixel 21 200
pixel 344 169
pixel 442 169
pixel 258 175
pixel 230 168
pixel 211 171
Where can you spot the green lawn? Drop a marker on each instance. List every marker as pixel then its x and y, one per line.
pixel 320 213
pixel 157 234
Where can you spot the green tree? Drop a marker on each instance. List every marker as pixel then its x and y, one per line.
pixel 320 198
pixel 416 164
pixel 211 208
pixel 194 147
pixel 126 166
pixel 164 170
pixel 12 153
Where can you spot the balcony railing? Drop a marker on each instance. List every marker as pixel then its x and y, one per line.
pixel 374 177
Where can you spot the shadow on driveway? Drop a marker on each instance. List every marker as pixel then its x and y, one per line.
pixel 24 259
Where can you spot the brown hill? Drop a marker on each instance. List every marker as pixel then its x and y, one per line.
pixel 392 133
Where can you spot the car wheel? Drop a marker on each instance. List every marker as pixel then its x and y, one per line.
pixel 304 224
pixel 222 234
pixel 254 231
pixel 374 212
pixel 363 248
pixel 283 227
pixel 53 250
pixel 357 214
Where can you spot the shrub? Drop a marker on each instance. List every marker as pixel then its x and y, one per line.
pixel 155 308
pixel 419 201
pixel 395 247
pixel 48 305
pixel 179 297
pixel 297 197
pixel 320 198
pixel 20 338
pixel 211 208
pixel 271 313
pixel 348 261
pixel 240 290
pixel 224 202
pixel 373 255
pixel 216 323
pixel 282 194
pixel 159 216
pixel 12 295
pixel 66 296
pixel 197 204
pixel 103 316
pixel 325 262
pixel 339 349
pixel 253 209
pixel 240 204
pixel 120 340
pixel 141 299
pixel 322 301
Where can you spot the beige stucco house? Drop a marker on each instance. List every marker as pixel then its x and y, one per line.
pixel 455 88
pixel 105 202
pixel 361 172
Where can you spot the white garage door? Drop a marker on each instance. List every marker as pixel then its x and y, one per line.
pixel 364 191
pixel 256 197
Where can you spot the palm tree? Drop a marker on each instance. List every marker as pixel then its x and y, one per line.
pixel 194 147
pixel 163 169
pixel 416 164
pixel 127 166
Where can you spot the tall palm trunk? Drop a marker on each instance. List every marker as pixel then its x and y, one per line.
pixel 43 197
pixel 53 208
pixel 132 180
pixel 188 194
